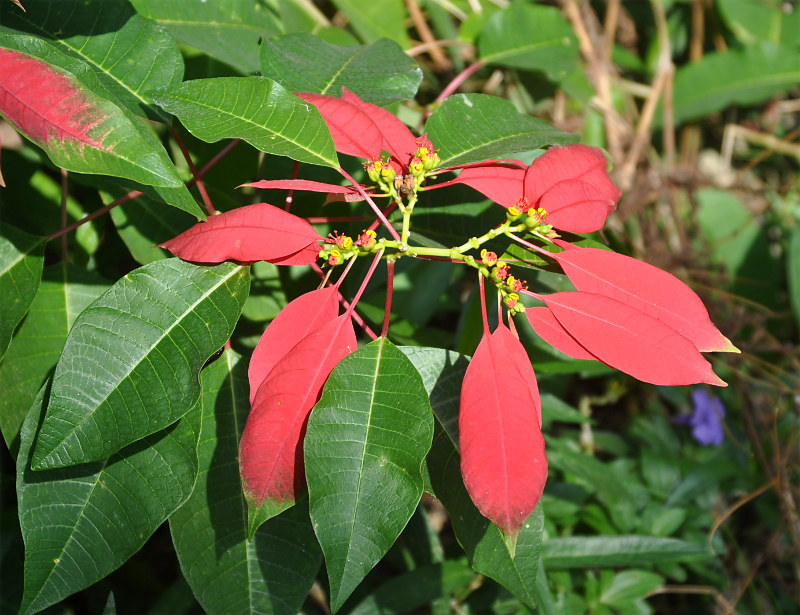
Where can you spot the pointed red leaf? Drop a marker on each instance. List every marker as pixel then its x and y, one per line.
pixel 571 162
pixel 574 206
pixel 271 448
pixel 298 319
pixel 502 184
pixel 630 340
pixel 398 140
pixel 551 331
pixel 44 103
pixel 647 288
pixel 304 184
pixel 252 233
pixel 354 132
pixel 503 460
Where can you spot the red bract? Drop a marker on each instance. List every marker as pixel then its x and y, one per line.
pixel 570 183
pixel 629 340
pixel 252 233
pixel 298 319
pixel 500 439
pixel 551 331
pixel 271 448
pixel 647 288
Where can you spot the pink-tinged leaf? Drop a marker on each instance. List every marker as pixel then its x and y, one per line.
pixel 259 232
pixel 647 288
pixel 307 185
pixel 630 340
pixel 2 181
pixel 354 132
pixel 502 184
pixel 398 140
pixel 271 448
pixel 298 319
pixel 551 331
pixel 45 104
pixel 574 206
pixel 503 461
pixel 19 4
pixel 571 162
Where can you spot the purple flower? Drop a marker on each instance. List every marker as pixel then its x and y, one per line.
pixel 706 420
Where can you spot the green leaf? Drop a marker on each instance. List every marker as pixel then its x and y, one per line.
pixel 228 574
pixel 66 290
pixel 255 109
pixel 628 586
pixel 530 37
pixel 607 551
pixel 379 73
pixel 81 523
pixel 131 362
pixel 376 20
pixel 227 30
pixel 21 261
pixel 475 127
pixel 442 372
pixel 761 20
pixel 366 441
pixel 746 76
pixel 129 54
pixel 793 271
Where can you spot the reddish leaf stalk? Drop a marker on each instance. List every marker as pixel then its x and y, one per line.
pixel 95 214
pixel 459 79
pixel 483 304
pixel 386 212
pixel 372 204
pixel 290 193
pixel 200 186
pixel 217 157
pixel 63 213
pixel 389 290
pixel 346 305
pixel 367 278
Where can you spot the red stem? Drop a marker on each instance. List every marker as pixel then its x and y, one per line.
pixel 483 304
pixel 459 79
pixel 367 278
pixel 290 193
pixel 389 291
pixel 188 158
pixel 386 212
pixel 95 214
pixel 63 213
pixel 354 315
pixel 372 204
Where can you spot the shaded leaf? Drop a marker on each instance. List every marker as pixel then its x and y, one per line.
pixel 630 340
pixel 503 462
pixel 367 438
pixel 228 574
pixel 128 53
pixel 271 448
pixel 648 289
pixel 376 20
pixel 131 362
pixel 21 261
pixel 299 318
pixel 475 127
pixel 608 551
pixel 227 30
pixel 98 514
pixel 66 290
pixel 442 372
pixel 259 232
pixel 380 73
pixel 255 109
pixel 530 37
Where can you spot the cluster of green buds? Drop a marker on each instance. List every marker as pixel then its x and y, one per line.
pixel 425 160
pixel 383 175
pixel 500 274
pixel 340 248
pixel 534 218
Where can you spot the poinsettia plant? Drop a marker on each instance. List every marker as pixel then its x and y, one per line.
pixel 143 417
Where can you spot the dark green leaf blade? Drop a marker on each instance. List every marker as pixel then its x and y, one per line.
pixel 21 262
pixel 530 37
pixel 475 127
pixel 255 109
pixel 99 514
pixel 442 372
pixel 66 290
pixel 228 574
pixel 131 362
pixel 379 73
pixel 227 30
pixel 608 551
pixel 129 54
pixel 366 441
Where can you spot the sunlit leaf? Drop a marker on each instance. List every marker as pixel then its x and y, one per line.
pixel 131 362
pixel 553 332
pixel 376 20
pixel 367 438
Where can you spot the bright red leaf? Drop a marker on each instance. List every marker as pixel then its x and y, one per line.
pixel 305 184
pixel 503 460
pixel 551 331
pixel 502 184
pixel 575 206
pixel 298 319
pixel 630 340
pixel 647 288
pixel 271 448
pixel 252 233
pixel 44 103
